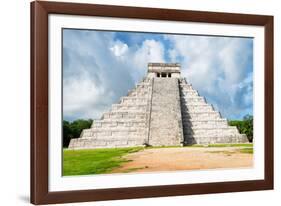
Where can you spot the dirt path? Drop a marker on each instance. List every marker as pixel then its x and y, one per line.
pixel 171 159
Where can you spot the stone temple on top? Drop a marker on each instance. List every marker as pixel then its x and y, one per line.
pixel 162 110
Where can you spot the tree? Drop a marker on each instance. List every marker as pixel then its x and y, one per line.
pixel 244 126
pixel 248 126
pixel 66 133
pixel 74 129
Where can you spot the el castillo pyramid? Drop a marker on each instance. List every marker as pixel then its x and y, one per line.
pixel 162 110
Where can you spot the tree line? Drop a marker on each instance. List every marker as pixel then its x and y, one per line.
pixel 244 126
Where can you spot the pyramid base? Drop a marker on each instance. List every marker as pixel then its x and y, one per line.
pixel 241 138
pixel 83 143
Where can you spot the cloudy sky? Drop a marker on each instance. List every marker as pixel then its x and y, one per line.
pixel 99 67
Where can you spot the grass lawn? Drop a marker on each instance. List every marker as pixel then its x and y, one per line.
pixel 95 161
pixel 231 145
pixel 247 150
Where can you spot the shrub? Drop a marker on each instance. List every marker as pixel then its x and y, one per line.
pixel 244 126
pixel 74 129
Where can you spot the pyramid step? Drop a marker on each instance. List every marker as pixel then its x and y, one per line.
pixel 131 102
pixel 239 138
pixel 143 84
pixel 124 115
pixel 210 123
pixel 193 99
pixel 206 126
pixel 184 82
pixel 189 95
pixel 97 133
pixel 211 131
pixel 201 117
pixel 191 103
pixel 195 119
pixel 198 109
pixel 104 143
pixel 116 134
pixel 124 120
pixel 119 123
pixel 140 91
pixel 128 107
pixel 186 88
pixel 189 92
pixel 114 129
pixel 200 112
pixel 140 88
pixel 111 138
pixel 138 94
pixel 134 99
pixel 132 111
pixel 202 121
pixel 201 107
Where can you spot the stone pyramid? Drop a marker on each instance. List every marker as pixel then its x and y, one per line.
pixel 162 110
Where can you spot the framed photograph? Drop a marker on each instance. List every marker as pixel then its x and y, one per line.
pixel 131 102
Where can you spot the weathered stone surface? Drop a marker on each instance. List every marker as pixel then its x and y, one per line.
pixel 165 121
pixel 201 123
pixel 159 111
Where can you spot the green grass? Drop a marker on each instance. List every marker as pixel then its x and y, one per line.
pixel 222 145
pixel 228 153
pixel 160 147
pixel 207 145
pixel 231 145
pixel 247 150
pixel 96 161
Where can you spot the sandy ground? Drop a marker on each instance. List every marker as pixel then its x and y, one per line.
pixel 171 159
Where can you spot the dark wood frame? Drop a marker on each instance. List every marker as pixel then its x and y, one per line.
pixel 39 102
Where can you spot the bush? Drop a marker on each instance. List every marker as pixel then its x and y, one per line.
pixel 244 126
pixel 74 129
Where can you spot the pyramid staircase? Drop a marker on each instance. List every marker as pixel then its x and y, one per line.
pixel 165 119
pixel 201 123
pixel 126 124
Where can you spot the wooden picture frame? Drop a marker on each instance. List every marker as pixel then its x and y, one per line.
pixel 40 193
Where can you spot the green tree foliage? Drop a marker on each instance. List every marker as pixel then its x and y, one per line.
pixel 244 126
pixel 74 129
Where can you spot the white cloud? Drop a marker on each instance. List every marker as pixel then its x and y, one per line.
pixel 81 95
pixel 119 48
pixel 150 51
pixel 93 77
pixel 135 58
